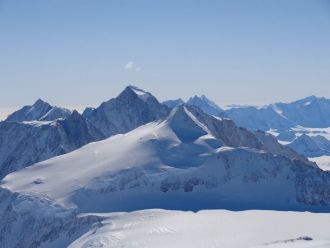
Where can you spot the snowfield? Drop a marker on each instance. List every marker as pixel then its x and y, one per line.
pixel 323 162
pixel 209 228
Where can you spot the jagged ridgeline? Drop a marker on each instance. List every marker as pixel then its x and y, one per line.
pixel 41 131
pixel 145 155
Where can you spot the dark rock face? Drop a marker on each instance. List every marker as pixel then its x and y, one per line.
pixel 25 143
pixel 132 108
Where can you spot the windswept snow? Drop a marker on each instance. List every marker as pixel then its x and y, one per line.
pixel 209 228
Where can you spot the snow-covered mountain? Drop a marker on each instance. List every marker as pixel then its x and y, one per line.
pixel 288 121
pixel 259 118
pixel 311 111
pixel 132 108
pixel 27 142
pixel 311 146
pixel 41 131
pixel 188 161
pixel 40 110
pixel 205 104
pixel 202 102
pixel 173 103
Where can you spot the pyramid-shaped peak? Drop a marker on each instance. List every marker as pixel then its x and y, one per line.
pixel 40 103
pixel 134 91
pixel 135 88
pixel 205 105
pixel 185 125
pixel 75 113
pixel 75 116
pixel 201 98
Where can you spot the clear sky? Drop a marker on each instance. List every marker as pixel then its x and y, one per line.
pixel 82 52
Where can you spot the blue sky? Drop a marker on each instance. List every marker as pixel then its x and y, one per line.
pixel 82 52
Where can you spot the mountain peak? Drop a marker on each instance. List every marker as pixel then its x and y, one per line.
pixel 185 125
pixel 205 105
pixel 132 90
pixel 75 114
pixel 39 111
pixel 173 103
pixel 313 97
pixel 203 97
pixel 308 100
pixel 133 107
pixel 40 102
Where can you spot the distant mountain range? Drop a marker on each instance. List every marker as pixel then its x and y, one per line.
pixel 133 153
pixel 312 111
pixel 308 112
pixel 280 119
pixel 41 131
pixel 26 134
pixel 201 102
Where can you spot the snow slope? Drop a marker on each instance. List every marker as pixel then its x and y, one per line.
pixel 209 228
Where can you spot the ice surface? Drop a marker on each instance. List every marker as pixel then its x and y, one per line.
pixel 209 228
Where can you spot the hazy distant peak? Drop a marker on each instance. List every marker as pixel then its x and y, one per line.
pixel 41 102
pixel 173 103
pixel 134 91
pixel 205 104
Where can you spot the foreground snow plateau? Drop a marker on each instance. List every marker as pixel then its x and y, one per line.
pixel 209 228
